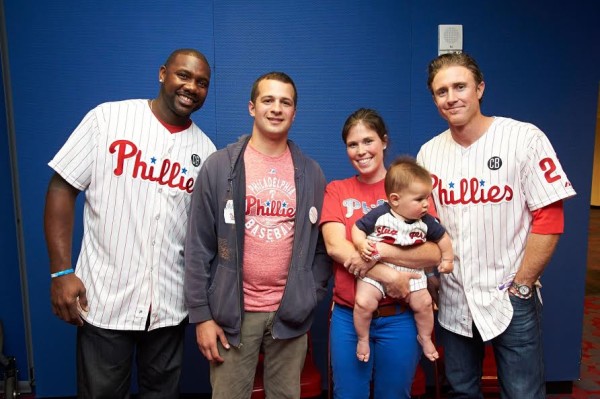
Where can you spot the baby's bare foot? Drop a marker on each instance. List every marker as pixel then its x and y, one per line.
pixel 362 350
pixel 429 349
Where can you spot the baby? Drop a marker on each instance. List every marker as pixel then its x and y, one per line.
pixel 402 221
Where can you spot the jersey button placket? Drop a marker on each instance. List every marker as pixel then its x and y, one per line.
pixel 465 259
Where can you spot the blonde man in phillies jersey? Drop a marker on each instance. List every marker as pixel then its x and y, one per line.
pixel 498 187
pixel 137 161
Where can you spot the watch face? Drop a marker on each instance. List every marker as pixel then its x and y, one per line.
pixel 524 290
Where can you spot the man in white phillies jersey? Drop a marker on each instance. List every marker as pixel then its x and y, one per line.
pixel 137 161
pixel 498 188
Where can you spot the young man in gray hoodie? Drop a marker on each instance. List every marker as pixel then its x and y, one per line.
pixel 255 262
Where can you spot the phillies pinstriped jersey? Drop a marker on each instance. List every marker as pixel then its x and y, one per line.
pixel 484 195
pixel 381 225
pixel 138 179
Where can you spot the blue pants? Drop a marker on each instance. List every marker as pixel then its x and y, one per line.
pixel 518 353
pixel 395 354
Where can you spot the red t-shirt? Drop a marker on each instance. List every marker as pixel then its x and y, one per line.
pixel 345 202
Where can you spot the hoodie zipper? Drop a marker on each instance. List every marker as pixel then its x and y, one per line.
pixel 237 248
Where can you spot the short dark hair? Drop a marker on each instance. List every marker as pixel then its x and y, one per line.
pixel 279 76
pixel 404 171
pixel 186 51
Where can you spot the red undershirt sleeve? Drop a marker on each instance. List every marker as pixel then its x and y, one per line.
pixel 549 219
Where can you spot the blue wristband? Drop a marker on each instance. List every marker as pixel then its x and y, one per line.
pixel 431 274
pixel 62 273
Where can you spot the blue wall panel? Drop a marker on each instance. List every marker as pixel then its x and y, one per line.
pixel 341 58
pixel 541 65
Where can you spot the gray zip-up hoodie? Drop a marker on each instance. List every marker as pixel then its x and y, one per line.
pixel 215 246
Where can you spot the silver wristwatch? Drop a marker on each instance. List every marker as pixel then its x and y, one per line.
pixel 521 290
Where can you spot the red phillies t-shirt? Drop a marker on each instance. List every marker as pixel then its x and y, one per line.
pixel 345 202
pixel 269 234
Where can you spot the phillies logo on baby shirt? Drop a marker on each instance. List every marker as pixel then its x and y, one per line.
pixel 389 235
pixel 386 231
pixel 170 174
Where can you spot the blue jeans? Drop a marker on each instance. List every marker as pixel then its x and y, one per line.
pixel 518 352
pixel 393 361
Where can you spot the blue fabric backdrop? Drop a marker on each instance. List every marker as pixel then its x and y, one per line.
pixel 540 62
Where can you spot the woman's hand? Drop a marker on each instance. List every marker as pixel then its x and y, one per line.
pixel 357 265
pixel 398 286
